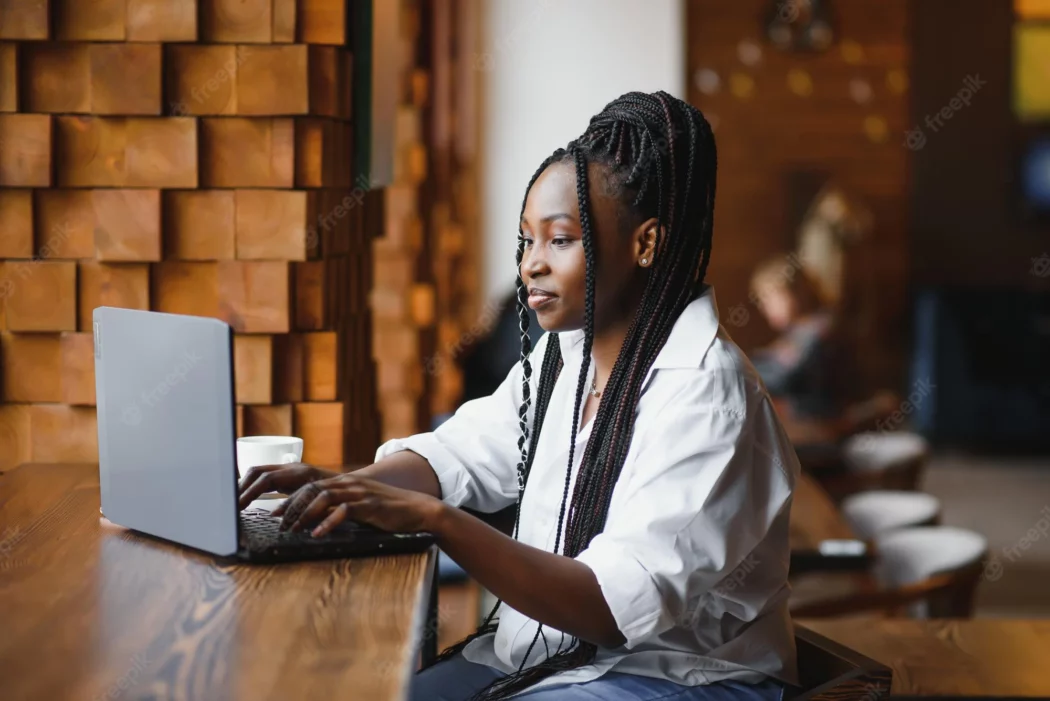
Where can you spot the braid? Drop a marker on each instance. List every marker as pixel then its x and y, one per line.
pixel 638 140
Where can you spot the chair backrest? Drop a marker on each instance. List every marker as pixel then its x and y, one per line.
pixel 884 450
pixel 912 555
pixel 829 671
pixel 872 513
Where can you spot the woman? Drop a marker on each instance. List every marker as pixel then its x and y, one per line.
pixel 801 367
pixel 652 480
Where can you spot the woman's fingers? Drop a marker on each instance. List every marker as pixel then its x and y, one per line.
pixel 272 478
pixel 339 514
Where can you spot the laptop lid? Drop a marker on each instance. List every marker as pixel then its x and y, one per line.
pixel 166 426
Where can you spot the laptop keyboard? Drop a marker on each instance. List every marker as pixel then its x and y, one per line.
pixel 261 531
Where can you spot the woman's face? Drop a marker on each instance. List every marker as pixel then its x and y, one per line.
pixel 553 265
pixel 778 306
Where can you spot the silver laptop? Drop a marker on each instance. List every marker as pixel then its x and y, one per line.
pixel 167 444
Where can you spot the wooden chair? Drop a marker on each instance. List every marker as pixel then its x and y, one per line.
pixel 829 671
pixel 924 572
pixel 893 460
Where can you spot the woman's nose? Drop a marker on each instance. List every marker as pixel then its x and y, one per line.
pixel 533 263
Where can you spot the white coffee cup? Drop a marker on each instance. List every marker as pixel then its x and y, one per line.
pixel 267 450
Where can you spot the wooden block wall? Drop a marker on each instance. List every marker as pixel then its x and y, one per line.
pixel 426 277
pixel 398 334
pixel 186 156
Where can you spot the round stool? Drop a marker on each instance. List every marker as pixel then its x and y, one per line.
pixel 872 513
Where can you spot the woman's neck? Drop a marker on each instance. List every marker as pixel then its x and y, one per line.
pixel 606 348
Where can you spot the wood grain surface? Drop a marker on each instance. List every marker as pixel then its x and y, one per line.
pixel 814 516
pixel 998 658
pixel 91 610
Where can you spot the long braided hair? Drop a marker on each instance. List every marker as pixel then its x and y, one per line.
pixel 659 160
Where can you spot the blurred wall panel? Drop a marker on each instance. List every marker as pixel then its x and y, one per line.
pixel 787 120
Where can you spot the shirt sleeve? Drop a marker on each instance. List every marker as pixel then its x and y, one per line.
pixel 702 493
pixel 475 452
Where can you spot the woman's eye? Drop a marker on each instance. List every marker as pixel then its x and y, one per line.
pixel 525 241
pixel 562 242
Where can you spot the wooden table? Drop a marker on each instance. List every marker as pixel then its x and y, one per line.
pixel 968 659
pixel 814 516
pixel 90 610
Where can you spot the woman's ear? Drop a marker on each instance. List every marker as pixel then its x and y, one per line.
pixel 646 240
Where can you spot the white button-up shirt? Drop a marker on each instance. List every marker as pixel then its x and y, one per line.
pixel 693 561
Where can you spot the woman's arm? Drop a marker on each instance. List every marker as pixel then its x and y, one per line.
pixel 406 470
pixel 553 589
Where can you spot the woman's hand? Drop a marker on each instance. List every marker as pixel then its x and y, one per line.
pixel 326 503
pixel 278 478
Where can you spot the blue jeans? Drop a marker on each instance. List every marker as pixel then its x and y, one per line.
pixel 457 679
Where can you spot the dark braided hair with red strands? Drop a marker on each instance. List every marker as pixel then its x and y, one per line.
pixel 659 159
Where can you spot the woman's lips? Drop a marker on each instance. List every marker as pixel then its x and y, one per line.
pixel 540 299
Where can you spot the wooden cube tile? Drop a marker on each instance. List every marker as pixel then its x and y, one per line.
pixel 185 288
pixel 273 420
pixel 89 151
pixel 199 224
pixel 78 368
pixel 42 295
pixel 319 365
pixel 8 77
pixel 253 368
pixel 310 296
pixel 395 342
pixel 63 433
pixel 65 224
pixel 322 153
pixel 320 425
pixel 124 285
pixel 31 366
pixel 14 435
pixel 89 20
pixel 16 224
pixel 271 224
pixel 162 20
pixel 24 19
pixel 25 150
pixel 399 378
pixel 57 77
pixel 243 152
pixel 125 79
pixel 202 79
pixel 254 296
pixel 322 22
pixel 288 382
pixel 284 21
pixel 236 21
pixel 161 152
pixel 273 80
pixel 127 225
pixel 330 75
pixel 238 413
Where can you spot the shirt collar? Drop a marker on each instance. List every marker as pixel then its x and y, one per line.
pixel 688 341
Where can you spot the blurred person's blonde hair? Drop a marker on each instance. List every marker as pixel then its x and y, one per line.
pixel 787 274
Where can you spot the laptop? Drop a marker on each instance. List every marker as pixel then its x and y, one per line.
pixel 167 445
